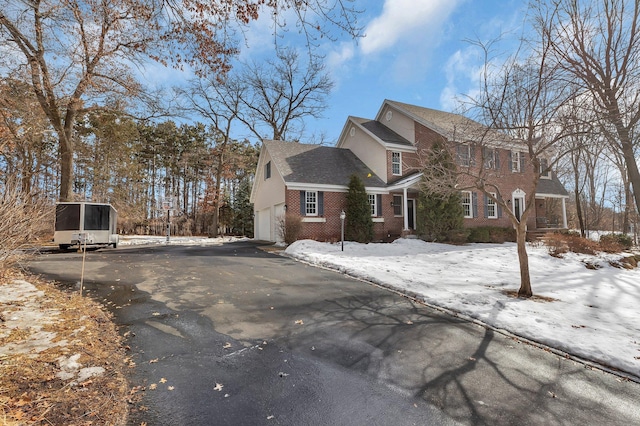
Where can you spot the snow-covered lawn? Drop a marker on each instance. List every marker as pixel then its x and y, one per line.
pixel 594 314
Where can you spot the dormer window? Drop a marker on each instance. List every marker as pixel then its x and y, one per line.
pixel 396 164
pixel 267 170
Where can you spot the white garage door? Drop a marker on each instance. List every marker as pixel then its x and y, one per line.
pixel 264 225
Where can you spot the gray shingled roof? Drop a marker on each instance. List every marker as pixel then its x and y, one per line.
pixel 318 164
pixel 382 132
pixel 551 186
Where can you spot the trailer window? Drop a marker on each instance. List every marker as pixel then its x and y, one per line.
pixel 67 217
pixel 96 217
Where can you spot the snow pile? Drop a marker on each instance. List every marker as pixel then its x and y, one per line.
pixel 585 312
pixel 134 240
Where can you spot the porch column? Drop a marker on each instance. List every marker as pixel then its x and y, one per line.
pixel 405 213
pixel 564 213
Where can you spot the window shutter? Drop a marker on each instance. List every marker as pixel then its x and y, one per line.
pixel 472 155
pixel 486 207
pixel 303 205
pixel 499 211
pixel 510 161
pixel 474 196
pixel 522 162
pixel 320 203
pixel 497 158
pixel 379 205
pixel 459 153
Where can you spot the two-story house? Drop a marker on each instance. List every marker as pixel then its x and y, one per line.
pixel 387 153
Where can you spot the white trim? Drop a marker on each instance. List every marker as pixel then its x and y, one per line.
pixel 405 182
pixel 539 195
pixel 495 207
pixel 470 204
pixel 378 219
pixel 307 203
pixel 313 219
pixel 331 188
pixel 316 187
pixel 516 162
pixel 373 206
pixel 400 148
pixel 399 163
pixel 520 195
pixel 405 208
pixel 352 119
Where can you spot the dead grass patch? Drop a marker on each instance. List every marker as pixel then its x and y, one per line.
pixel 535 297
pixel 31 389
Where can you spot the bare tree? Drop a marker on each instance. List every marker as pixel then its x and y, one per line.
pixel 77 50
pixel 523 111
pixel 282 93
pixel 219 102
pixel 597 43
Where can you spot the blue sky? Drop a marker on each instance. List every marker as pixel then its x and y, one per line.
pixel 414 51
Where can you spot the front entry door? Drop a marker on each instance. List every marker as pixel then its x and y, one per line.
pixel 411 214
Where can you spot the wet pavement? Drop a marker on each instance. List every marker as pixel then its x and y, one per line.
pixel 231 335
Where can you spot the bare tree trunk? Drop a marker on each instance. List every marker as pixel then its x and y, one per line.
pixel 523 259
pixel 579 212
pixel 66 172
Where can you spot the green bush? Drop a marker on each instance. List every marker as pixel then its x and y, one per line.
pixel 491 234
pixel 611 240
pixel 479 235
pixel 457 236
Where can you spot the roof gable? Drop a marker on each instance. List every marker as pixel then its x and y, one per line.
pixel 318 164
pixel 454 127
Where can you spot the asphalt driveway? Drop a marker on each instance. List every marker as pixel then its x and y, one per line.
pixel 231 335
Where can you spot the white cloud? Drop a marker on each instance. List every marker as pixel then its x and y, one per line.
pixel 406 20
pixel 462 72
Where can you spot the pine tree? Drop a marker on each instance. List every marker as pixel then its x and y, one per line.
pixel 439 205
pixel 358 224
pixel 243 209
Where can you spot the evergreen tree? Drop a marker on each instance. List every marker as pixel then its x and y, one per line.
pixel 439 204
pixel 358 224
pixel 243 209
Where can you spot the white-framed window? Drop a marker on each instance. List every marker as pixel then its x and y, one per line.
pixel 372 203
pixel 491 158
pixel 397 205
pixel 396 164
pixel 467 204
pixel 267 170
pixel 516 159
pixel 464 155
pixel 311 203
pixel 545 171
pixel 492 207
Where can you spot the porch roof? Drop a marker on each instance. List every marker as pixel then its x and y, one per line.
pixel 551 187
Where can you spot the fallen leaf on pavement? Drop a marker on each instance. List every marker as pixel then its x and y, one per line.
pixel 218 387
pixel 163 380
pixel 226 345
pixel 299 322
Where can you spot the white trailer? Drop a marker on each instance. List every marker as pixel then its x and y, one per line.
pixel 78 223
